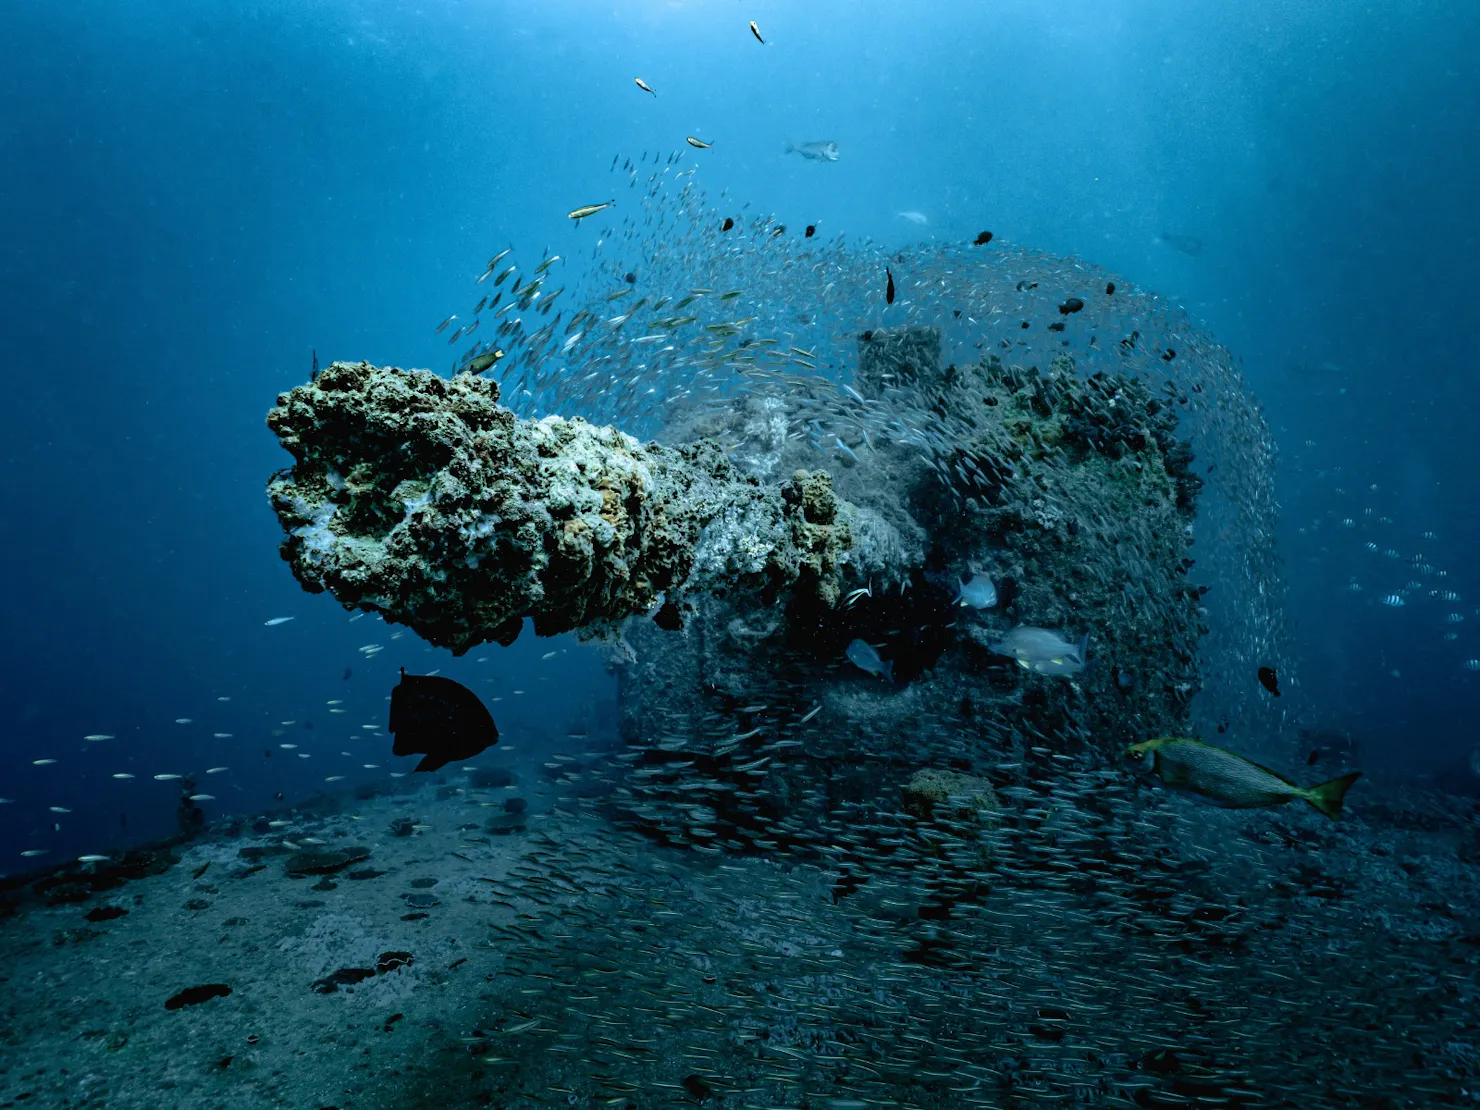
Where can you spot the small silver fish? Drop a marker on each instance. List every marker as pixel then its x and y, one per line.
pixel 644 86
pixel 823 150
pixel 588 210
pixel 1042 650
pixel 865 657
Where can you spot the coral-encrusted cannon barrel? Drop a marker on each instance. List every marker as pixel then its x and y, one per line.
pixel 423 498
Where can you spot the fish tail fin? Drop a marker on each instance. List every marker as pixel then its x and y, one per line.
pixel 1327 796
pixel 889 669
pixel 790 146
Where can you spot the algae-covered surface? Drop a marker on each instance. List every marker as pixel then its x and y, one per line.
pixel 423 498
pixel 1097 953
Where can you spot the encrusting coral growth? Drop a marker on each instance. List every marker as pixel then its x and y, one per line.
pixel 425 499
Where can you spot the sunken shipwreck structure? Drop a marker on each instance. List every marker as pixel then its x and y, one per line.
pixel 730 571
pixel 844 850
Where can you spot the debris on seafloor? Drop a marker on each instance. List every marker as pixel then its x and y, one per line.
pixel 194 996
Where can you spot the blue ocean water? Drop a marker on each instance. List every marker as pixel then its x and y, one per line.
pixel 197 198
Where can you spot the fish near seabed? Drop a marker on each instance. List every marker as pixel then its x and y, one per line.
pixel 1230 780
pixel 865 657
pixel 1043 651
pixel 823 150
pixel 439 719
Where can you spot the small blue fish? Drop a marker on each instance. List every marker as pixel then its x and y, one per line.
pixel 862 655
pixel 977 592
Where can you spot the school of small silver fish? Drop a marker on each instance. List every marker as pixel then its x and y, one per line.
pixel 1076 942
pixel 1384 563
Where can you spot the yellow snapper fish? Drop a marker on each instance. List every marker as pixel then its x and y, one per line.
pixel 1230 780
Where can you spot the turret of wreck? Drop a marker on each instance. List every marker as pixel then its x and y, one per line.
pixel 736 571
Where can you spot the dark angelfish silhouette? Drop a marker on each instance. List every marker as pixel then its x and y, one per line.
pixel 440 719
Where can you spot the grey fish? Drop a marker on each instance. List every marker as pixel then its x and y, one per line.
pixel 1043 651
pixel 862 655
pixel 1189 245
pixel 1232 781
pixel 823 150
pixel 977 592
